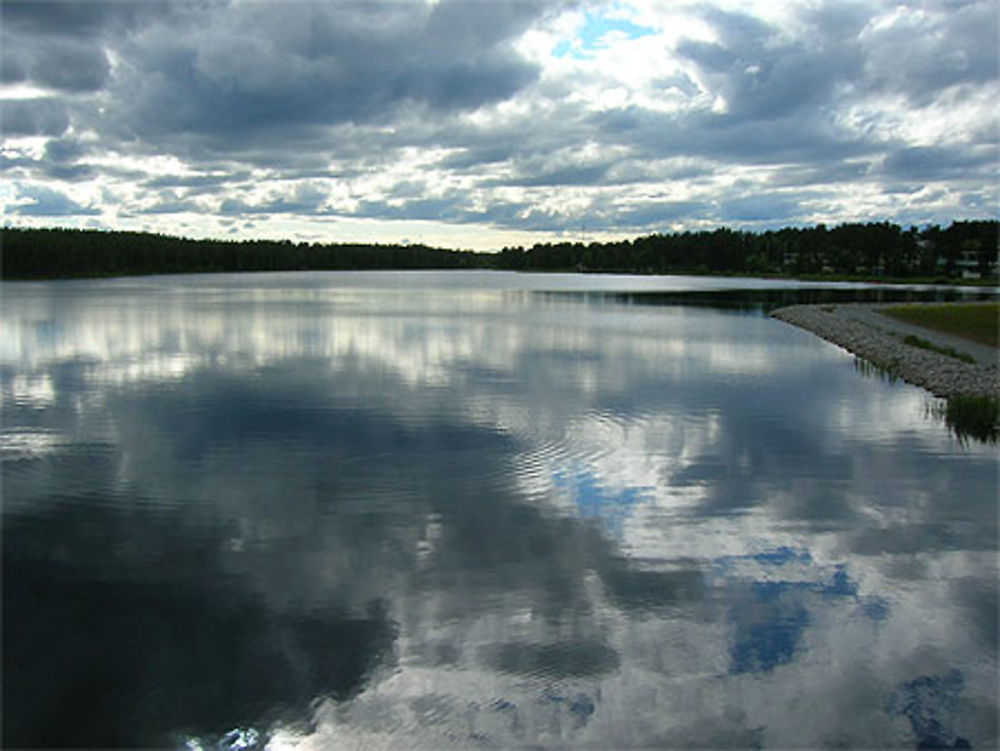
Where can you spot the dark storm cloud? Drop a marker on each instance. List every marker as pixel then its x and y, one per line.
pixel 318 65
pixel 75 18
pixel 55 63
pixel 34 117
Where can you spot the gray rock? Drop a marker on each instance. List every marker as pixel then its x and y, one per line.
pixel 940 374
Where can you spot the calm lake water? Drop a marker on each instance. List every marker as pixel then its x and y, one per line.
pixel 471 510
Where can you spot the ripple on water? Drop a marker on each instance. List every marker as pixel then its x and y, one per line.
pixel 552 660
pixel 26 444
pixel 581 455
pixel 39 459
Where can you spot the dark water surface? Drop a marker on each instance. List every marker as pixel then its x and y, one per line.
pixel 476 510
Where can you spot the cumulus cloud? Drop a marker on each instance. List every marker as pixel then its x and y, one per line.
pixel 304 199
pixel 47 202
pixel 531 116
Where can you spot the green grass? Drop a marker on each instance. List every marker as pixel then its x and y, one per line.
pixel 887 370
pixel 974 321
pixel 973 416
pixel 916 341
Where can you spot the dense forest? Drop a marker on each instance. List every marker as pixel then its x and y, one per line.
pixel 866 250
pixel 48 253
pixel 874 250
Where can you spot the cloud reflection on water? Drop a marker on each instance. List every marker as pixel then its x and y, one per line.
pixel 575 522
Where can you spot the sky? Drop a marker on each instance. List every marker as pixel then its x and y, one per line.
pixel 479 124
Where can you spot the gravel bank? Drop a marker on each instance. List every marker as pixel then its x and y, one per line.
pixel 942 375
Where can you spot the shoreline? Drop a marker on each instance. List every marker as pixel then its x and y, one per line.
pixel 940 374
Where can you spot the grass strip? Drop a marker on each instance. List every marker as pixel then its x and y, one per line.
pixel 916 341
pixel 974 321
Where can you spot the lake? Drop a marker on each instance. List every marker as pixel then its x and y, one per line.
pixel 477 510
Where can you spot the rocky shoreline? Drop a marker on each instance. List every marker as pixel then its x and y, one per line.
pixel 942 375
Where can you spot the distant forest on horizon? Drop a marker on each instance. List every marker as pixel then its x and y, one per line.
pixel 867 250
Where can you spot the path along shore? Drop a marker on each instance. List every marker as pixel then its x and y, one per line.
pixel 863 331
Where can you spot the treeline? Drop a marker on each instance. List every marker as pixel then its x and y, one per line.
pixel 874 250
pixel 49 253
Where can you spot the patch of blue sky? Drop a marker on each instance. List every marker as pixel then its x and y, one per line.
pixel 772 634
pixel 763 644
pixel 769 633
pixel 778 556
pixel 933 705
pixel 594 501
pixel 793 568
pixel 875 608
pixel 594 35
